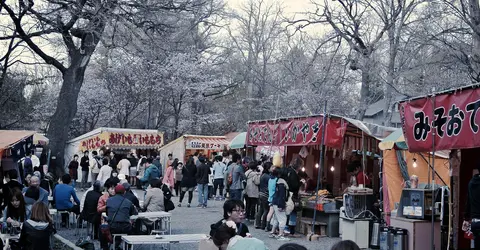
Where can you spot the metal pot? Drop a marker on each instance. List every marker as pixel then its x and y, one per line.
pixel 383 238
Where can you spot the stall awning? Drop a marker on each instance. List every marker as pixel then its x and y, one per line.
pixel 394 140
pixel 206 142
pixel 9 138
pixel 238 141
pixel 40 139
pixel 301 131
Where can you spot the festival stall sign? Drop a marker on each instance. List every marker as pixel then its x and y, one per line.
pixel 207 143
pixel 123 140
pixel 297 132
pixel 451 118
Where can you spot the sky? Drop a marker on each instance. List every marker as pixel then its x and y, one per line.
pixel 291 6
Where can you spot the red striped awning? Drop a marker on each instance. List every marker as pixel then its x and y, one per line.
pixel 209 143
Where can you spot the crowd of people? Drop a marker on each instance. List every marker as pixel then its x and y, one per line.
pixel 255 192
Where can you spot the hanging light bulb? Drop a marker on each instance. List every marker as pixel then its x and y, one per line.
pixel 303 169
pixel 316 165
pixel 414 163
pixel 332 169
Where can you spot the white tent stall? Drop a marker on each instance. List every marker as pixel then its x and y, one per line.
pixel 112 138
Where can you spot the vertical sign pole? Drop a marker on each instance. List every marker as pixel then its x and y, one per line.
pixel 321 163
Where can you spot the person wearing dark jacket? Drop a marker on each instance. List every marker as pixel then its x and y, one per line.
pixel 119 210
pixel 130 196
pixel 36 231
pixel 11 186
pixel 188 181
pixel 472 208
pixel 233 210
pixel 89 212
pixel 264 207
pixel 294 184
pixel 85 165
pixel 73 170
pixel 279 204
pixel 203 172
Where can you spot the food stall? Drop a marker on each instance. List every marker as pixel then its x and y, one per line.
pixel 406 173
pixel 346 140
pixel 447 120
pixel 14 144
pixel 187 145
pixel 119 140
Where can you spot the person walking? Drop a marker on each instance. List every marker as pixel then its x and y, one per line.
pixel 169 175
pixel 202 182
pixel 85 164
pixel 237 175
pixel 178 177
pixel 219 169
pixel 73 170
pixel 188 181
pixel 251 190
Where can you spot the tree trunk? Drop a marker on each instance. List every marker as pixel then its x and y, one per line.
pixel 365 88
pixel 177 120
pixel 65 112
pixel 387 108
pixel 475 23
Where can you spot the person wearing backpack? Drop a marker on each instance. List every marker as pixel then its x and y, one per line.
pixel 279 203
pixel 236 178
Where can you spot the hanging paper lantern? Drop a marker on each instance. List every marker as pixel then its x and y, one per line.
pixel 277 159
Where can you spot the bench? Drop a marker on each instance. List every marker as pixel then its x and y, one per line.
pixel 306 224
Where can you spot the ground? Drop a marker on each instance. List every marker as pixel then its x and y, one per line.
pixel 195 220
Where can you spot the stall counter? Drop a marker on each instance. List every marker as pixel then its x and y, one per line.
pixel 419 232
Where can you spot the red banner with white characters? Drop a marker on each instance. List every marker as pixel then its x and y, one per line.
pixel 297 132
pixel 451 117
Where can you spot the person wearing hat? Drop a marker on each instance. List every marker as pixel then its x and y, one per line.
pixel 119 210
